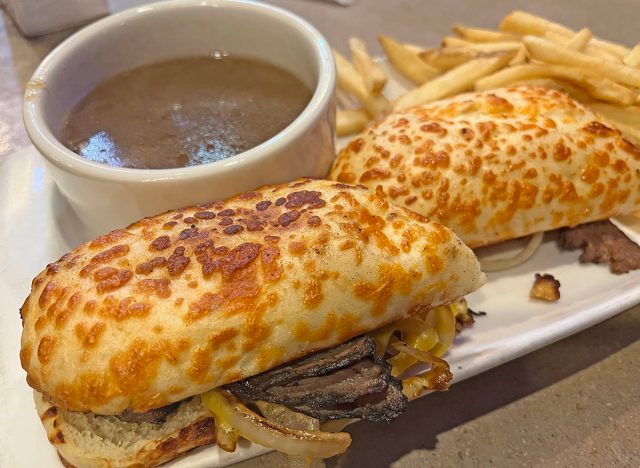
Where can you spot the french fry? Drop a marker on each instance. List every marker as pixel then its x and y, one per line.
pixel 523 23
pixel 520 57
pixel 482 35
pixel 611 47
pixel 596 86
pixel 453 41
pixel 486 47
pixel 625 118
pixel 449 57
pixel 609 91
pixel 579 40
pixel 589 49
pixel 454 81
pixel 510 75
pixel 372 75
pixel 632 59
pixel 351 121
pixel 408 63
pixel 416 49
pixel 546 51
pixel 350 81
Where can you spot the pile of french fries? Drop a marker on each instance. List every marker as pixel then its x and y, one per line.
pixel 526 49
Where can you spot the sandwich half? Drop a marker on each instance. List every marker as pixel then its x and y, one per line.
pixel 251 317
pixel 498 164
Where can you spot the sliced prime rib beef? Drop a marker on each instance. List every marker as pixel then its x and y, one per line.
pixel 341 386
pixel 318 363
pixel 343 382
pixel 602 242
pixel 382 406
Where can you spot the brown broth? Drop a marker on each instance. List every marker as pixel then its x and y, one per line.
pixel 183 112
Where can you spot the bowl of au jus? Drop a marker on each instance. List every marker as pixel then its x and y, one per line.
pixel 179 103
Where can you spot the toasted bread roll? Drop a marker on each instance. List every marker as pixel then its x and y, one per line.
pixel 90 441
pixel 183 302
pixel 498 164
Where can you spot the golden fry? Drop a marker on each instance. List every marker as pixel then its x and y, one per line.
pixel 350 81
pixel 632 59
pixel 492 47
pixel 546 51
pixel 452 41
pixel 609 91
pixel 579 40
pixel 408 63
pixel 589 49
pixel 613 48
pixel 520 57
pixel 596 86
pixel 416 49
pixel 482 35
pixel 449 57
pixel 488 47
pixel 373 76
pixel 454 81
pixel 351 121
pixel 523 23
pixel 348 77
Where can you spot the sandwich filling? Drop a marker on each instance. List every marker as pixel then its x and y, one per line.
pixel 370 377
pixel 301 407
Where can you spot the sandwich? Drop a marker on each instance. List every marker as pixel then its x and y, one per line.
pixel 499 164
pixel 268 316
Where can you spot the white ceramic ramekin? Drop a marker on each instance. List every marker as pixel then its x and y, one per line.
pixel 107 197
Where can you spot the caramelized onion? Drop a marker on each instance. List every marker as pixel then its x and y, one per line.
pixel 503 263
pixel 436 378
pixel 282 415
pixel 432 331
pixel 226 436
pixel 305 443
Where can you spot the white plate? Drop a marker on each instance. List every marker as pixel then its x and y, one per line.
pixel 37 227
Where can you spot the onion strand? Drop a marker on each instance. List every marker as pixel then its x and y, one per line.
pixel 500 264
pixel 436 378
pixel 226 436
pixel 255 428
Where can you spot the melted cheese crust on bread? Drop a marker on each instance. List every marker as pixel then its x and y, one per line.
pixel 499 164
pixel 183 302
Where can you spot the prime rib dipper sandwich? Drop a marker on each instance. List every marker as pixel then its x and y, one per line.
pixel 263 316
pixel 499 164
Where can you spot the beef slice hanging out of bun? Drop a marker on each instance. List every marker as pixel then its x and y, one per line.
pixel 498 164
pixel 126 336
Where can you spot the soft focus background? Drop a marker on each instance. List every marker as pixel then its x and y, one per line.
pixel 575 403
